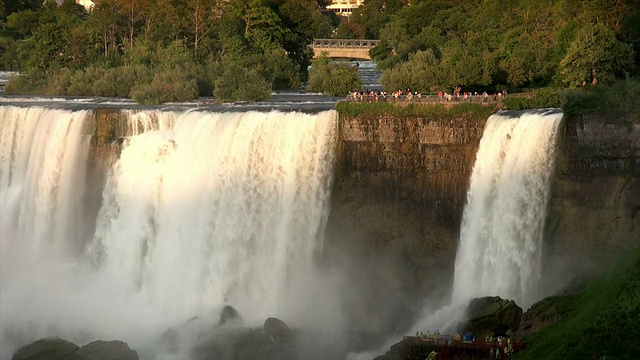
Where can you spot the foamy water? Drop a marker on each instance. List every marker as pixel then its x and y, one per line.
pixel 200 210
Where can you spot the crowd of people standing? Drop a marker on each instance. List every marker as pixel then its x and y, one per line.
pixel 415 96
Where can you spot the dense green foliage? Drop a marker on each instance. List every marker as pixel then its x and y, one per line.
pixel 601 322
pixel 426 45
pixel 333 78
pixel 433 45
pixel 620 101
pixel 160 50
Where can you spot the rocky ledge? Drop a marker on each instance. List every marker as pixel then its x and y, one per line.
pixel 59 349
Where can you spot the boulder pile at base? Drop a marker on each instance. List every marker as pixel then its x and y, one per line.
pixel 59 349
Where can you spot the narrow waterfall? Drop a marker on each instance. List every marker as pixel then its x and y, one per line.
pixel 200 210
pixel 500 248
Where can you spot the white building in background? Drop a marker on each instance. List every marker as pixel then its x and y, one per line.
pixel 88 4
pixel 344 7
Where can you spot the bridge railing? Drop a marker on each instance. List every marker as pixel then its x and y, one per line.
pixel 344 43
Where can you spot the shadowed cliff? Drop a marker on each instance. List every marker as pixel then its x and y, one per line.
pixel 400 189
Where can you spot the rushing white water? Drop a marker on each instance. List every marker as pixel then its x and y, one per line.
pixel 500 248
pixel 200 210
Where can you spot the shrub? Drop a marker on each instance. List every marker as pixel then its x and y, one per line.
pixel 619 102
pixel 118 81
pixel 27 84
pixel 546 98
pixel 59 83
pixel 238 83
pixel 542 98
pixel 166 86
pixel 517 103
pixel 82 81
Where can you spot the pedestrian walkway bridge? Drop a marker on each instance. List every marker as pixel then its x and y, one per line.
pixel 344 48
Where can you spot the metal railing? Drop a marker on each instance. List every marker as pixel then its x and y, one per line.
pixel 344 43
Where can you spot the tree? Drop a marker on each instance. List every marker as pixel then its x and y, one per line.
pixel 373 15
pixel 203 16
pixel 350 30
pixel 8 7
pixel 47 43
pixel 596 55
pixel 106 22
pixel 333 78
pixel 421 73
pixel 164 23
pixel 323 24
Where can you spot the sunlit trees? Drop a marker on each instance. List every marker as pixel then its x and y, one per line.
pixel 425 44
pixel 596 55
pixel 535 43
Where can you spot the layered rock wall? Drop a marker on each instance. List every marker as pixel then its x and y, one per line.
pixel 401 185
pixel 595 205
pixel 398 197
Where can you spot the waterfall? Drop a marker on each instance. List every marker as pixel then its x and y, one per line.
pixel 200 210
pixel 500 247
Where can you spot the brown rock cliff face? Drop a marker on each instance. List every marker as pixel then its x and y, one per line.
pixel 398 197
pixel 595 204
pixel 400 191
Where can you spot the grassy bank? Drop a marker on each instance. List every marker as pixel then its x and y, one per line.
pixel 375 109
pixel 601 322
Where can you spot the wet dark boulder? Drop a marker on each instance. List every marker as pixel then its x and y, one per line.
pixel 229 314
pixel 104 350
pixel 46 349
pixel 242 343
pixel 276 328
pixel 175 339
pixel 494 316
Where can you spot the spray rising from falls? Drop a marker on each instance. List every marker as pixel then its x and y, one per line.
pixel 500 248
pixel 199 210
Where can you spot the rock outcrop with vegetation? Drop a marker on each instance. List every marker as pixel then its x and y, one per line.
pixel 492 316
pixel 600 322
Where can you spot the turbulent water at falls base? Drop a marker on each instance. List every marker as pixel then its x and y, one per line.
pixel 199 210
pixel 500 247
